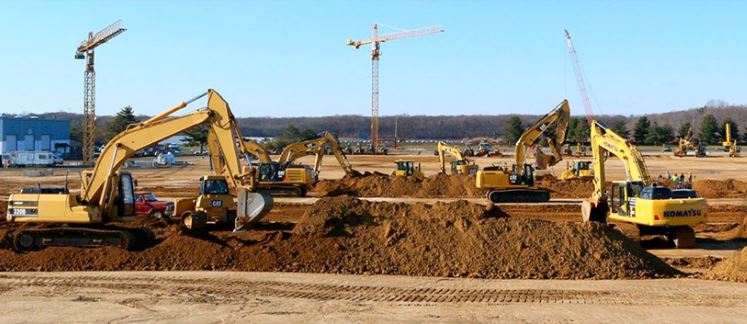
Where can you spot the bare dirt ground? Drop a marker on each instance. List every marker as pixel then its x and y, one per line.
pixel 284 297
pixel 177 296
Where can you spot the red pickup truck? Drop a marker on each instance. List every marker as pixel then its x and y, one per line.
pixel 146 203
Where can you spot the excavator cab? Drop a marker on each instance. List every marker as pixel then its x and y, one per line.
pixel 463 167
pixel 620 201
pixel 126 198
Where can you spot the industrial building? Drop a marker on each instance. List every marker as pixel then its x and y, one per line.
pixel 34 134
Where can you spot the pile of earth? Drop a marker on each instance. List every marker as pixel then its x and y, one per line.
pixel 344 235
pixel 728 188
pixel 733 268
pixel 381 185
pixel 574 188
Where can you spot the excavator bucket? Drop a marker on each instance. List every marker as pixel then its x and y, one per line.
pixel 251 207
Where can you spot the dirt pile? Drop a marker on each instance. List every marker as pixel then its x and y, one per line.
pixel 733 268
pixel 344 235
pixel 576 188
pixel 728 188
pixel 381 185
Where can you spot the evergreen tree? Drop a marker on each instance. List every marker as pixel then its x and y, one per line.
pixel 513 129
pixel 119 123
pixel 709 130
pixel 659 135
pixel 684 128
pixel 582 132
pixel 641 130
pixel 571 131
pixel 620 129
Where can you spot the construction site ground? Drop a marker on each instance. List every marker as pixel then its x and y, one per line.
pixel 366 296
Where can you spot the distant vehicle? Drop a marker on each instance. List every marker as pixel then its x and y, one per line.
pixel 146 204
pixel 30 158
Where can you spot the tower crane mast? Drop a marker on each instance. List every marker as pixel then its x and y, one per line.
pixel 375 43
pixel 85 51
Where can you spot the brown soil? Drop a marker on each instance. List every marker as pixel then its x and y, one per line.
pixel 705 262
pixel 728 188
pixel 380 185
pixel 733 268
pixel 344 235
pixel 578 188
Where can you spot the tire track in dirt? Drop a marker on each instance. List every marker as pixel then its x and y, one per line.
pixel 237 291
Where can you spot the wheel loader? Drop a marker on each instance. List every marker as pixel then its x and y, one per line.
pixel 92 218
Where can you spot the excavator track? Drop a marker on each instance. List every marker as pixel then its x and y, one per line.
pixel 518 195
pixel 39 238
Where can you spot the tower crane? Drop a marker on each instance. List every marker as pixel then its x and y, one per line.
pixel 85 51
pixel 375 42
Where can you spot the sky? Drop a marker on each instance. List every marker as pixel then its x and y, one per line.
pixel 289 58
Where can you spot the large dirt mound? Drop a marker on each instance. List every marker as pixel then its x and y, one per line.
pixel 728 188
pixel 344 235
pixel 380 185
pixel 733 268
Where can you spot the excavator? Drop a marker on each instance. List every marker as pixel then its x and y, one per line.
pixel 729 143
pixel 316 146
pixel 460 165
pixel 275 177
pixel 517 183
pixel 89 218
pixel 655 210
pixel 686 143
pixel 285 177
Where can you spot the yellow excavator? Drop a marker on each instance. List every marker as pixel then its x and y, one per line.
pixel 317 147
pixel 277 178
pixel 88 219
pixel 460 165
pixel 655 210
pixel 686 143
pixel 729 143
pixel 517 183
pixel 285 177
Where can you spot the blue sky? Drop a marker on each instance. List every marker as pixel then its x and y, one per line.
pixel 289 58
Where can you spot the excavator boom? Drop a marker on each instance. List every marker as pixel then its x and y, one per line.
pixel 315 146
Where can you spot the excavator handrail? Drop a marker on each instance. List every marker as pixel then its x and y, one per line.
pixel 561 115
pixel 124 145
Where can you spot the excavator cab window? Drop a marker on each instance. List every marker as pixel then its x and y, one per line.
pixel 214 187
pixel 126 195
pixel 528 174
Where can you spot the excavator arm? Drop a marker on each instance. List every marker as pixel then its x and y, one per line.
pixel 561 116
pixel 315 146
pixel 605 140
pixel 96 183
pixel 256 149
